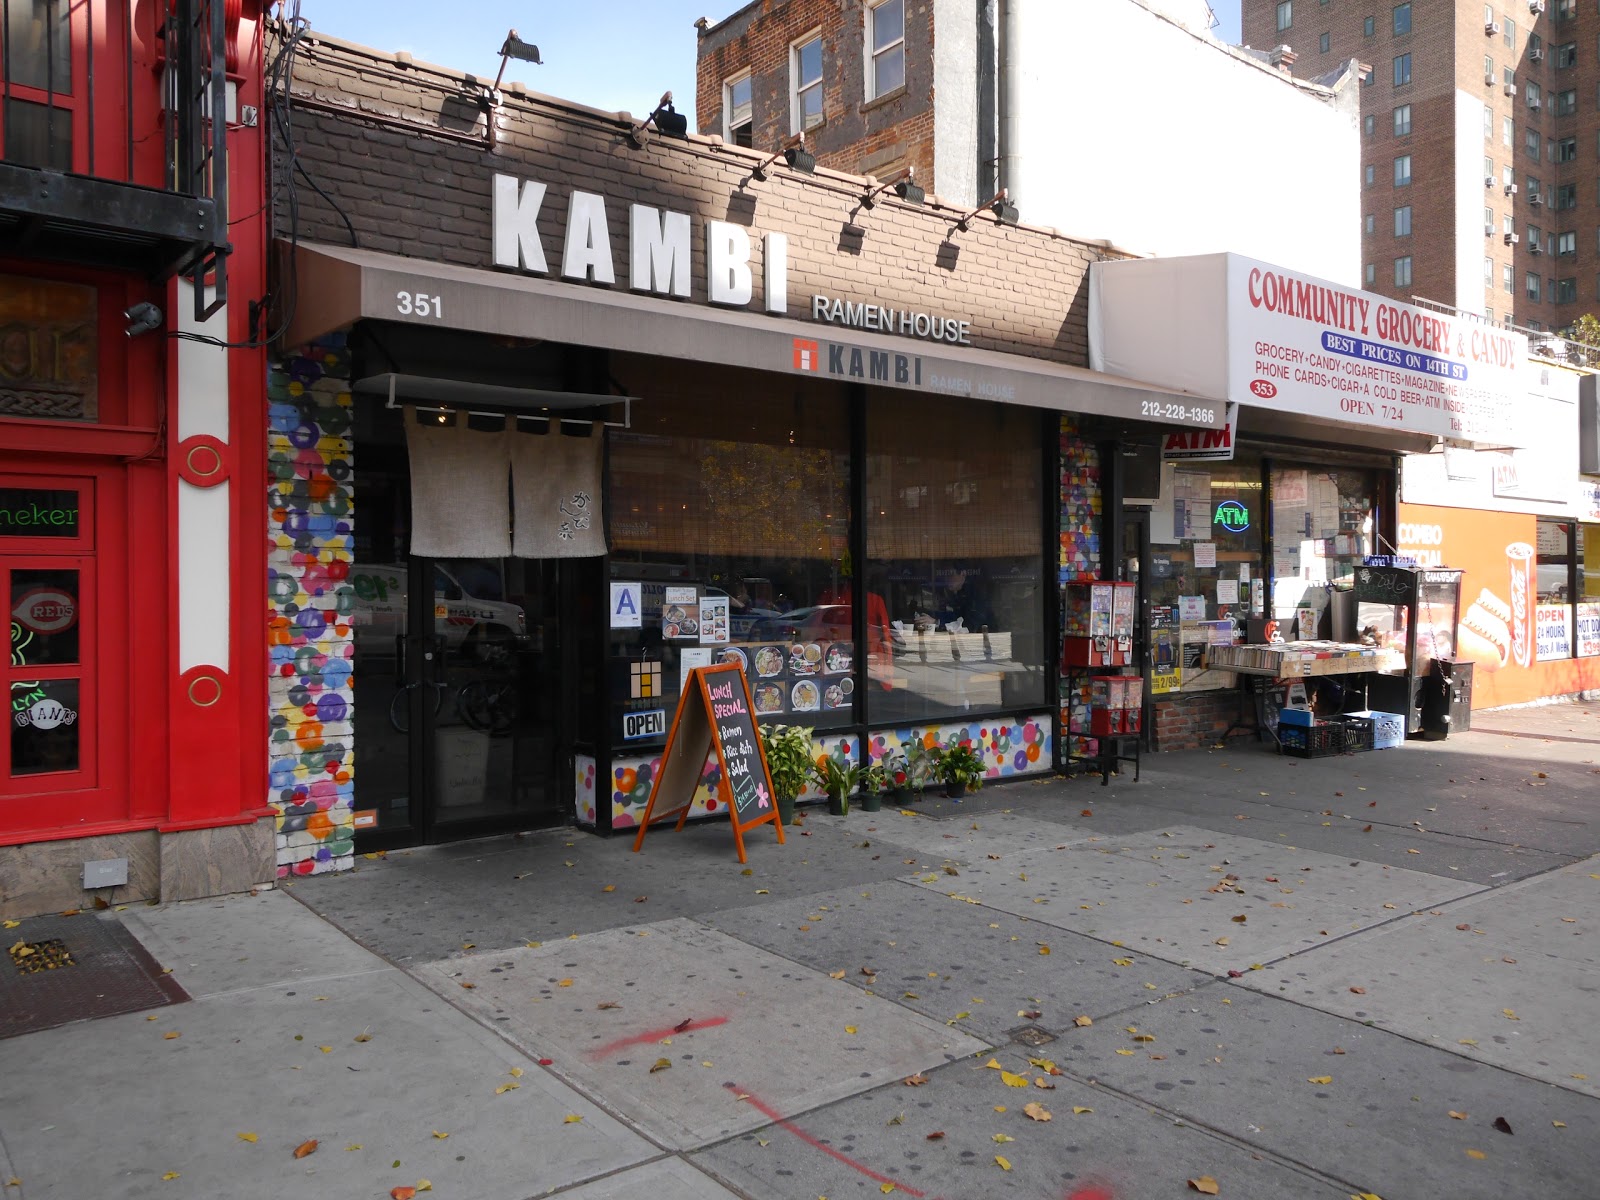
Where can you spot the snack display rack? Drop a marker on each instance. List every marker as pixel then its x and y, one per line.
pixel 1101 711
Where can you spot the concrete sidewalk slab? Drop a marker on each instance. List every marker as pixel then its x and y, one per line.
pixel 667 1179
pixel 968 963
pixel 1122 1149
pixel 107 1108
pixel 754 1021
pixel 955 839
pixel 1244 1064
pixel 1428 979
pixel 1152 895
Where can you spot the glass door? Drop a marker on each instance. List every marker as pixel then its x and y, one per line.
pixel 1134 551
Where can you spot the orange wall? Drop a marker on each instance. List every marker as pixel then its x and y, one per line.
pixel 1475 541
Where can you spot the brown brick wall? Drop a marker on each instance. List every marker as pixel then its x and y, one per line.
pixel 859 137
pixel 1195 721
pixel 397 148
pixel 1448 45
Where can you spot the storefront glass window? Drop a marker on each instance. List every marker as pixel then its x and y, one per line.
pixel 1323 524
pixel 954 574
pixel 730 507
pixel 1555 561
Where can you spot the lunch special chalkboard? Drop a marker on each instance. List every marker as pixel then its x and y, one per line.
pixel 714 713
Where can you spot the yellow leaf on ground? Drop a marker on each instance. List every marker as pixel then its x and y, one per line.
pixel 1365 1196
pixel 610 887
pixel 1466 1041
pixel 1036 1112
pixel 1320 1079
pixel 12 925
pixel 363 1037
pixel 1003 1138
pixel 835 974
pixel 424 1185
pixel 402 1192
pixel 1476 1154
pixel 1082 1021
pixel 326 1049
pixel 1013 1080
pixel 167 1037
pixel 1126 1053
pixel 506 1087
pixel 169 1175
pixel 661 1064
pixel 1122 962
pixel 248 1137
pixel 1509 1014
pixel 516 1072
pixel 849 1028
pixel 1078 1110
pixel 1044 949
pixel 571 1119
pixel 763 891
pixel 565 983
pixel 1460 1116
pixel 1000 1161
pixel 353 1146
pixel 1205 1184
pixel 1559 1124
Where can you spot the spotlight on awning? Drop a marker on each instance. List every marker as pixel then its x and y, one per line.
pixel 1005 212
pixel 795 154
pixel 904 187
pixel 665 119
pixel 512 47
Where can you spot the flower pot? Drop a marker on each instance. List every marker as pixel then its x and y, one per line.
pixel 871 801
pixel 838 805
pixel 955 789
pixel 786 809
pixel 901 795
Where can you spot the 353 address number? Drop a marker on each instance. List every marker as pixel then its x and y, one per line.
pixel 419 304
pixel 1177 412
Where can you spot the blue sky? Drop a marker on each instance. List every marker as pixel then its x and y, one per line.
pixel 612 54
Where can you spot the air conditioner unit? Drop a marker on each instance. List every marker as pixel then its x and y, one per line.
pixel 1511 89
pixel 1491 27
pixel 1535 199
pixel 1489 78
pixel 1533 248
pixel 1511 189
pixel 1511 239
pixel 1488 231
pixel 1536 7
pixel 1536 55
pixel 1488 181
pixel 1534 104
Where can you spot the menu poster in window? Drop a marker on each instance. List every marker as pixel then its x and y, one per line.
pixel 1588 633
pixel 689 658
pixel 1291 488
pixel 1205 554
pixel 1191 505
pixel 714 620
pixel 1227 591
pixel 1191 608
pixel 714 714
pixel 680 613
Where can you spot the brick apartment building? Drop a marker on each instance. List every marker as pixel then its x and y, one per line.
pixel 1479 127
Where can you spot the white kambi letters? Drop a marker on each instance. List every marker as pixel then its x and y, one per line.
pixel 727 263
pixel 516 224
pixel 588 250
pixel 660 251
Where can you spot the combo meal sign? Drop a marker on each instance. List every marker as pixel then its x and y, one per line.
pixel 714 712
pixel 1317 348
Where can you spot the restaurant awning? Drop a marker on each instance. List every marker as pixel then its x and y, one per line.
pixel 338 286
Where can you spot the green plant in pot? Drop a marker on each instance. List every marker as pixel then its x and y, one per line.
pixel 838 779
pixel 874 783
pixel 919 769
pixel 897 776
pixel 959 767
pixel 788 751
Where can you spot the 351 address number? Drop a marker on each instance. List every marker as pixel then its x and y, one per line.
pixel 419 304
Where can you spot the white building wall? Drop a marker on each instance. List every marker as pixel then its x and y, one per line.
pixel 1159 139
pixel 1471 244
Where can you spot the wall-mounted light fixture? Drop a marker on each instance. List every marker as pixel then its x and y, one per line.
pixel 904 185
pixel 795 154
pixel 142 318
pixel 1005 212
pixel 665 119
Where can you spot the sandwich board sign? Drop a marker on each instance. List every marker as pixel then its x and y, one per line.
pixel 714 712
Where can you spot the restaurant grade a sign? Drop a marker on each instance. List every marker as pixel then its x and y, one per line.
pixel 714 713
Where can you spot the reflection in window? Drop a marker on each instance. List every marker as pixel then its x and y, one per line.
pixel 45 729
pixel 741 502
pixel 39 45
pixel 954 567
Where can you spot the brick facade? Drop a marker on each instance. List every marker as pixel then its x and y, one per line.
pixel 1195 721
pixel 1449 45
pixel 878 137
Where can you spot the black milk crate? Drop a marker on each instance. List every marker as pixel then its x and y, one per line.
pixel 1321 740
pixel 1360 733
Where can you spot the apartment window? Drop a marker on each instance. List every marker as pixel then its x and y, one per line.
pixel 1567 150
pixel 738 126
pixel 1371 273
pixel 1535 44
pixel 886 38
pixel 1535 96
pixel 1372 223
pixel 1322 44
pixel 1285 14
pixel 1566 197
pixel 1532 285
pixel 1508 131
pixel 1534 236
pixel 805 73
pixel 1566 55
pixel 1508 176
pixel 1402 171
pixel 1402 272
pixel 1567 243
pixel 1402 120
pixel 1367 28
pixel 1508 224
pixel 1488 67
pixel 1509 29
pixel 1402 221
pixel 1566 9
pixel 1488 272
pixel 1531 140
pixel 1488 124
pixel 1369 77
pixel 1369 125
pixel 1488 220
pixel 1564 104
pixel 1508 279
pixel 1371 175
pixel 1534 187
pixel 1402 70
pixel 1402 18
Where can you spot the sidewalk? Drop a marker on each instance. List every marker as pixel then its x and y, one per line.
pixel 1417 941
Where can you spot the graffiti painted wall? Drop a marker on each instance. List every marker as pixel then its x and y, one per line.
pixel 311 481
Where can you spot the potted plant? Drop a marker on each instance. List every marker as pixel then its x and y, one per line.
pixel 959 767
pixel 838 779
pixel 919 769
pixel 897 775
pixel 874 782
pixel 788 751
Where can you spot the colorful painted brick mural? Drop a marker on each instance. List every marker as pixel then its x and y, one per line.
pixel 310 466
pixel 1081 504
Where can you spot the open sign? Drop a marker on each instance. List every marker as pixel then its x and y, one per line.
pixel 46 610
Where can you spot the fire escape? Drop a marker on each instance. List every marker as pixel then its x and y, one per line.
pixel 113 137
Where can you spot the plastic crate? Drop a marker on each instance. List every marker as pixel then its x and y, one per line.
pixel 1312 741
pixel 1388 729
pixel 1359 734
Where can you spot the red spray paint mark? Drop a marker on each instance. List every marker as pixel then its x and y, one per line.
pixel 1091 1193
pixel 655 1035
pixel 772 1115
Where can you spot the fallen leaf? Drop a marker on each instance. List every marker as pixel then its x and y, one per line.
pixel 1222 941
pixel 1463 928
pixel 1338 1049
pixel 506 1087
pixel 1003 1138
pixel 1320 1079
pixel 515 1072
pixel 1240 919
pixel 1503 1125
pixel 326 1049
pixel 1510 1014
pixel 363 1037
pixel 1466 1041
pixel 1559 1124
pixel 353 1146
pixel 424 1185
pixel 1204 1184
pixel 661 1064
pixel 169 1175
pixel 937 1134
pixel 849 1028
pixel 1078 1110
pixel 469 985
pixel 306 1148
pixel 1044 1083
pixel 564 983
pixel 916 1080
pixel 763 891
pixel 1082 1021
pixel 1013 1080
pixel 1413 851
pixel 897 1119
pixel 610 887
pixel 167 1037
pixel 1459 1116
pixel 1358 991
pixel 248 1137
pixel 1126 1053
pixel 440 1136
pixel 1122 962
pixel 1044 949
pixel 607 1004
pixel 1000 1161
pixel 403 1192
pixel 1476 1154
pixel 1036 1112
pixel 885 1187
pixel 571 1119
